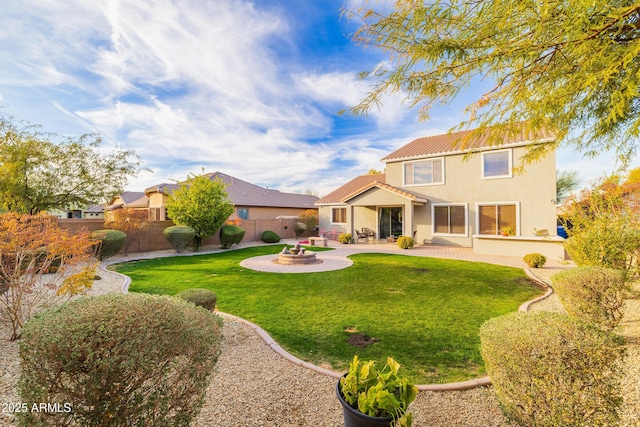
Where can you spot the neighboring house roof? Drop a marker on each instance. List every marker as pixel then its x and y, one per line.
pixel 242 193
pixel 457 142
pixel 131 199
pixel 95 209
pixel 359 182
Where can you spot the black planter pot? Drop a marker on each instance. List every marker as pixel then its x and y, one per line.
pixel 354 418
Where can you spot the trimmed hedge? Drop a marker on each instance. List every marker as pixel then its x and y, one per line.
pixel 179 236
pixel 199 296
pixel 593 294
pixel 270 237
pixel 109 242
pixel 119 360
pixel 230 235
pixel 550 370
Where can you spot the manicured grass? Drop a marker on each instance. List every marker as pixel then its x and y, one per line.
pixel 425 312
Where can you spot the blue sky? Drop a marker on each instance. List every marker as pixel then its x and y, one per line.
pixel 250 89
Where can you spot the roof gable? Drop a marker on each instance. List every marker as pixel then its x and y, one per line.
pixel 465 141
pixel 386 187
pixel 350 187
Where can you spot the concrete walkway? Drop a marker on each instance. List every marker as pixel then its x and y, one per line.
pixel 338 258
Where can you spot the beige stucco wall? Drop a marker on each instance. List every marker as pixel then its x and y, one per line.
pixel 157 200
pixel 534 191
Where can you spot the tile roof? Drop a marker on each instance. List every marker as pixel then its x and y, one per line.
pixel 408 194
pixel 456 142
pixel 242 193
pixel 350 187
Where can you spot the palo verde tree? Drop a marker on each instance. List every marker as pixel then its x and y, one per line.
pixel 571 67
pixel 202 204
pixel 37 173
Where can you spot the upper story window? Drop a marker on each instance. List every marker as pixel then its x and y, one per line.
pixel 497 164
pixel 424 172
pixel 243 213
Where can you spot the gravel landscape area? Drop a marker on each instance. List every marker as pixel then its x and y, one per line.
pixel 254 386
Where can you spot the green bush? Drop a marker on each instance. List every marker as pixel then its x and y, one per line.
pixel 108 242
pixel 119 360
pixel 201 297
pixel 230 235
pixel 593 294
pixel 606 242
pixel 535 260
pixel 344 238
pixel 405 242
pixel 550 370
pixel 270 237
pixel 179 236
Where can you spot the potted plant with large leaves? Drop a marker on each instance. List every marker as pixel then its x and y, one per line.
pixel 373 397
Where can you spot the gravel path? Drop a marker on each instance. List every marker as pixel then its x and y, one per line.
pixel 254 386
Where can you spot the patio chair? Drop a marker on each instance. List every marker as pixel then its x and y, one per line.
pixel 333 234
pixel 369 233
pixel 361 236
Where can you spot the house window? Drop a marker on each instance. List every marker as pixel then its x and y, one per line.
pixel 339 215
pixel 450 219
pixel 243 213
pixel 424 172
pixel 497 164
pixel 493 218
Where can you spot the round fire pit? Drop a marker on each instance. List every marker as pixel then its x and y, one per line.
pixel 307 257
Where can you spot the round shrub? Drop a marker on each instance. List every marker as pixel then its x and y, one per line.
pixel 179 236
pixel 405 242
pixel 535 260
pixel 270 237
pixel 344 238
pixel 230 235
pixel 552 370
pixel 119 360
pixel 593 294
pixel 109 242
pixel 201 297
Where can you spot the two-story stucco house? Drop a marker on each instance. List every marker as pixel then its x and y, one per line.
pixel 438 193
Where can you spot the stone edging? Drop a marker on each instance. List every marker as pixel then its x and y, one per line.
pixel 271 343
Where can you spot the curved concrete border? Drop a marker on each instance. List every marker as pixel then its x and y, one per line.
pixel 271 343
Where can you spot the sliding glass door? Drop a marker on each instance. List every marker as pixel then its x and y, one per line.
pixel 390 222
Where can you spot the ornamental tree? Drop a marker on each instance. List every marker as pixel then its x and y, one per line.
pixel 572 67
pixel 132 222
pixel 37 173
pixel 40 264
pixel 603 224
pixel 202 204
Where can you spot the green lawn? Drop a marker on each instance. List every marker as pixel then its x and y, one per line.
pixel 425 312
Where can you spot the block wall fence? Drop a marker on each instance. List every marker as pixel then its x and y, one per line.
pixel 153 239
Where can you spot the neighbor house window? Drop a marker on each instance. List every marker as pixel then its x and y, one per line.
pixel 339 215
pixel 497 164
pixel 494 217
pixel 243 213
pixel 450 219
pixel 424 172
